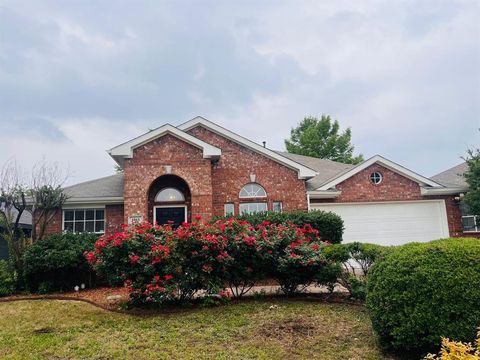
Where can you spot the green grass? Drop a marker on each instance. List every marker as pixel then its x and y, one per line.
pixel 51 329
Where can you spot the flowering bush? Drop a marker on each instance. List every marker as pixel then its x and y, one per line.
pixel 160 264
pixel 294 255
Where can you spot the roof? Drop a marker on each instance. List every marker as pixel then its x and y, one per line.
pixel 125 150
pixel 25 218
pixel 107 189
pixel 453 176
pixel 304 172
pixel 326 168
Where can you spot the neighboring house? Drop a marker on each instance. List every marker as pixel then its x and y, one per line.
pixel 455 177
pixel 25 226
pixel 201 169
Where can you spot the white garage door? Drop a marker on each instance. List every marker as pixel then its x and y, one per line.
pixel 391 223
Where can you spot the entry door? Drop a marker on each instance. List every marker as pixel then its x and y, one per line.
pixel 164 215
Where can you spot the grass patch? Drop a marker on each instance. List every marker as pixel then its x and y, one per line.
pixel 293 329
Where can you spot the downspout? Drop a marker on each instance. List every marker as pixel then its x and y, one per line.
pixel 308 201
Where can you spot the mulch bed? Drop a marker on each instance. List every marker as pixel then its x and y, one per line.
pixel 101 297
pixel 98 297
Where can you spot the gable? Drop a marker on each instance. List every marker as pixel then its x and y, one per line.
pixel 304 172
pixel 377 159
pixel 125 151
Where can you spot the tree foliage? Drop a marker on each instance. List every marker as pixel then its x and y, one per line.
pixel 321 138
pixel 472 176
pixel 41 195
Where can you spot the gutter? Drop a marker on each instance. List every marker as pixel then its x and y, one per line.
pixel 442 191
pixel 95 200
pixel 323 194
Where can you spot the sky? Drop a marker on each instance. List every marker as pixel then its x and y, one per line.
pixel 79 77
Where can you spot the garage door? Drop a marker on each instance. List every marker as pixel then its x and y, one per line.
pixel 391 223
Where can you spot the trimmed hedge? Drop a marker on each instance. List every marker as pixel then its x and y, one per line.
pixel 58 262
pixel 419 293
pixel 329 225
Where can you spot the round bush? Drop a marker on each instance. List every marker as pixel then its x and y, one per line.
pixel 418 293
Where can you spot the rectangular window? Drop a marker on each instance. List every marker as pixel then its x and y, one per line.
pixel 471 223
pixel 277 206
pixel 251 208
pixel 229 209
pixel 84 220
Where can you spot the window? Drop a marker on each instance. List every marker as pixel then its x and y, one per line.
pixel 253 190
pixel 471 223
pixel 277 206
pixel 169 195
pixel 251 208
pixel 376 177
pixel 84 220
pixel 229 209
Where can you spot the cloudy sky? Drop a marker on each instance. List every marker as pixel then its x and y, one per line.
pixel 79 77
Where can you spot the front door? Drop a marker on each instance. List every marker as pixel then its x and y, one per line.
pixel 170 215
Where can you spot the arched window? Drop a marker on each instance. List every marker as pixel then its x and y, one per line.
pixel 169 195
pixel 253 190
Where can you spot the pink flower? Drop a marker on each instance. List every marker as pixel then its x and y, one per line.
pixel 133 259
pixel 90 256
pixel 168 277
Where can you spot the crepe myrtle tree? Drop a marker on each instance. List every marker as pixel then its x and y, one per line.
pixel 40 194
pixel 46 196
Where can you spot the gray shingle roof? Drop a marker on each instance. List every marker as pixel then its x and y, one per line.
pixel 106 187
pixel 25 218
pixel 326 168
pixel 452 177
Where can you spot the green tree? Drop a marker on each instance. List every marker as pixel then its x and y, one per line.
pixel 321 138
pixel 472 176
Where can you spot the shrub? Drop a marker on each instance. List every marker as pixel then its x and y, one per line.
pixel 247 253
pixel 58 263
pixel 356 259
pixel 328 224
pixel 455 350
pixel 419 293
pixel 7 280
pixel 160 264
pixel 293 255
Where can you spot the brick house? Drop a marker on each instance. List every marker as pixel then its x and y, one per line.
pixel 200 168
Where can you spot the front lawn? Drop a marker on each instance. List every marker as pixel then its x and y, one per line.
pixel 266 329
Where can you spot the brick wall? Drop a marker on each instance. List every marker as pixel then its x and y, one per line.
pixel 394 187
pixel 55 226
pixel 148 163
pixel 233 171
pixel 113 218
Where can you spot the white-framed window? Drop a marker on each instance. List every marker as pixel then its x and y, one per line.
pixel 228 209
pixel 376 177
pixel 253 207
pixel 84 220
pixel 471 223
pixel 277 206
pixel 169 195
pixel 253 190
